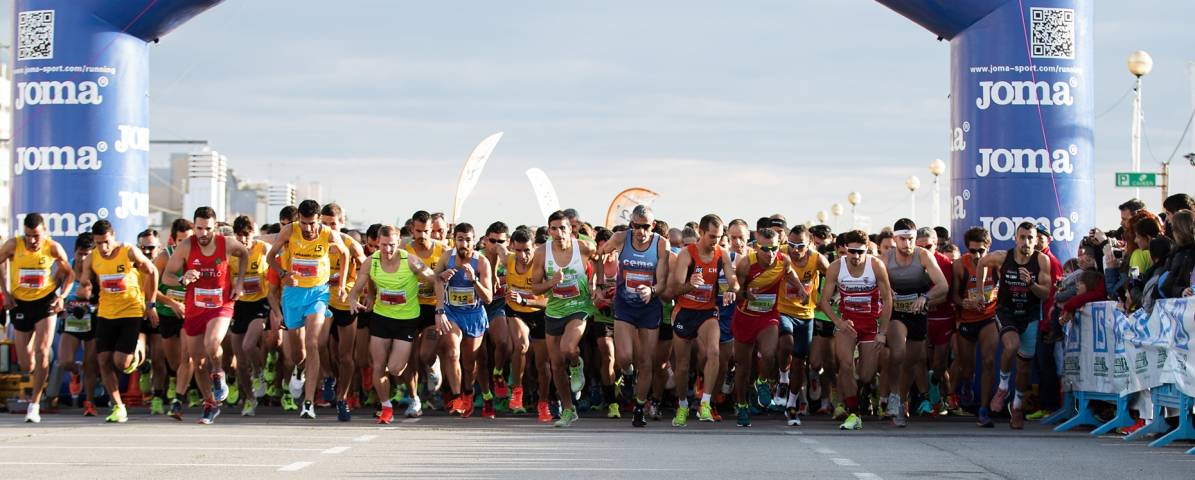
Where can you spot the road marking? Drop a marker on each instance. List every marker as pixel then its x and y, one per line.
pixel 294 467
pixel 793 432
pixel 365 438
pixel 826 451
pixel 388 428
pixel 123 464
pixel 867 475
pixel 412 420
pixel 809 441
pixel 335 450
pixel 844 462
pixel 155 447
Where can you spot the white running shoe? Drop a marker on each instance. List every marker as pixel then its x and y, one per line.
pixel 434 379
pixel 33 413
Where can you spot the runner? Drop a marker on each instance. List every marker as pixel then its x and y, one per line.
pixel 123 305
pixel 798 305
pixel 463 290
pixel 917 284
pixel 861 282
pixel 429 251
pixel 393 276
pixel 250 316
pixel 941 326
pixel 305 291
pixel 78 326
pixel 693 283
pixel 756 318
pixel 40 272
pixel 344 320
pixel 642 272
pixel 171 307
pixel 526 319
pixel 150 246
pixel 501 331
pixel 735 242
pixel 559 267
pixel 599 334
pixel 977 326
pixel 1023 278
pixel 211 297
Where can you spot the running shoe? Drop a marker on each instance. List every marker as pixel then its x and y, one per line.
pixel 715 415
pixel 612 411
pixel 516 400
pixel 500 387
pixel 637 418
pixel 342 411
pixel 545 414
pixel 386 416
pixel 853 422
pixel 259 386
pixel 925 408
pixel 295 385
pixel 288 403
pixel 272 390
pixel 75 387
pixel 728 382
pixel 211 410
pixel 682 417
pixel 219 387
pixel 33 413
pixel 308 410
pixel 249 409
pixel 138 357
pixel 414 409
pixel 576 376
pixel 815 388
pixel 329 389
pixel 118 415
pixel 554 408
pixel 1017 420
pixel 744 416
pixel 157 406
pixel 89 408
pixel 839 412
pixel 998 400
pixel 145 381
pixel 779 398
pixel 893 405
pixel 1038 415
pixel 466 403
pixel 194 399
pixel 935 394
pixel 176 409
pixel 567 418
pixel 792 417
pixel 703 413
pixel 487 408
pixel 900 420
pixel 762 393
pixel 985 419
pixel 654 412
pixel 234 394
pixel 434 378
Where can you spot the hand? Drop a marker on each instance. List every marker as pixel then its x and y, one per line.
pixel 558 277
pixel 152 315
pixel 341 294
pixel 447 275
pixel 920 303
pixel 469 273
pixel 598 295
pixel 969 304
pixel 644 292
pixel 728 298
pixel 803 294
pixel 238 290
pixel 177 308
pixel 355 306
pixel 696 280
pixel 1188 292
pixel 189 277
pixel 275 319
pixel 844 327
pixel 1066 318
pixel 11 303
pixel 749 295
pixel 290 280
pixel 442 325
pixel 55 306
pixel 1024 275
pixel 1098 235
pixel 514 297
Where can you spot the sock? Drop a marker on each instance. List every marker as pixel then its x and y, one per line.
pixel 1017 400
pixel 852 404
pixel 639 403
pixel 683 403
pixel 387 403
pixel 784 376
pixel 705 398
pixel 497 372
pixel 1004 379
pixel 740 406
pixel 466 391
pixel 792 399
pixel 608 394
pixel 487 396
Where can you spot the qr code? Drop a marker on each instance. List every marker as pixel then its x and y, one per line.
pixel 35 35
pixel 1052 32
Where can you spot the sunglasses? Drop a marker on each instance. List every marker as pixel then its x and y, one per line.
pixel 496 240
pixel 640 226
pixel 856 251
pixel 798 246
pixel 977 251
pixel 768 248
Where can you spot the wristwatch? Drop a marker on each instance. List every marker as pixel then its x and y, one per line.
pixel 151 305
pixel 439 311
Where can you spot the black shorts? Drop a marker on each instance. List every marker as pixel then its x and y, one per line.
pixel 970 331
pixel 244 313
pixel 364 318
pixel 595 330
pixel 342 318
pixel 427 316
pixel 391 329
pixel 533 320
pixel 555 326
pixel 169 326
pixel 27 313
pixel 688 322
pixel 86 314
pixel 117 334
pixel 665 332
pixel 916 324
pixel 823 328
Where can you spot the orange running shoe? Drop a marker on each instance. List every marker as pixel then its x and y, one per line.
pixel 88 408
pixel 456 406
pixel 698 387
pixel 386 416
pixel 487 409
pixel 715 415
pixel 545 414
pixel 516 400
pixel 466 402
pixel 75 387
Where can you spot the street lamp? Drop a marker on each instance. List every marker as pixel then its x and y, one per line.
pixel 821 216
pixel 912 183
pixel 854 198
pixel 1140 64
pixel 836 210
pixel 936 168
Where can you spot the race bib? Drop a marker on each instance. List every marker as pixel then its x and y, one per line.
pixel 32 278
pixel 333 278
pixel 252 284
pixel 723 285
pixel 566 290
pixel 304 268
pixel 639 278
pixel 427 291
pixel 762 303
pixel 209 297
pixel 904 302
pixel 462 296
pixel 180 295
pixel 856 304
pixel 702 294
pixel 392 297
pixel 113 283
pixel 988 291
pixel 74 324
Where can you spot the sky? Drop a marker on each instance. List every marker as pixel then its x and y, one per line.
pixel 745 109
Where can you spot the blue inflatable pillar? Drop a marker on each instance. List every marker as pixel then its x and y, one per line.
pixel 81 118
pixel 1021 114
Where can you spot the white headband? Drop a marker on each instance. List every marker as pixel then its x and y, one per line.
pixel 905 233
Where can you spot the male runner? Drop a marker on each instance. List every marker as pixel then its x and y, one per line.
pixel 171 307
pixel 977 325
pixel 500 332
pixel 78 327
pixel 429 251
pixel 526 321
pixel 798 306
pixel 343 318
pixel 250 315
pixel 941 326
pixel 463 290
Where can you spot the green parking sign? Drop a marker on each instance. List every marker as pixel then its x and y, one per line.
pixel 1136 179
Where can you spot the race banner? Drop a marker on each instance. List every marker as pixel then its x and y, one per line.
pixel 626 201
pixel 545 193
pixel 471 172
pixel 1107 351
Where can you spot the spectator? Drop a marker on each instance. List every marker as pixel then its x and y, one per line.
pixel 1177 280
pixel 1174 204
pixel 1159 252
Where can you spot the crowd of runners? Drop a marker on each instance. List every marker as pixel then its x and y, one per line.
pixel 760 320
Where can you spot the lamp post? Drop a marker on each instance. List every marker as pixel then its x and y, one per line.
pixel 836 210
pixel 936 168
pixel 821 216
pixel 854 198
pixel 1140 64
pixel 912 183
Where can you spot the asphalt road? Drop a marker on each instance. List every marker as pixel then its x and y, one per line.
pixel 277 445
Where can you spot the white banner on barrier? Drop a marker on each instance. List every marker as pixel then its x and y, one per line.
pixel 1107 351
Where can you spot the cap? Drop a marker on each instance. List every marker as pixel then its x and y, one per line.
pixel 1043 231
pixel 925 232
pixel 779 222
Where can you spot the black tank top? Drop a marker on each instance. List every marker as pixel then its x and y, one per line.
pixel 1014 298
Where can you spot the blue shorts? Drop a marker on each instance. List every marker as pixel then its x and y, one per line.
pixel 496 308
pixel 688 322
pixel 786 325
pixel 300 302
pixel 725 315
pixel 641 316
pixel 473 323
pixel 802 331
